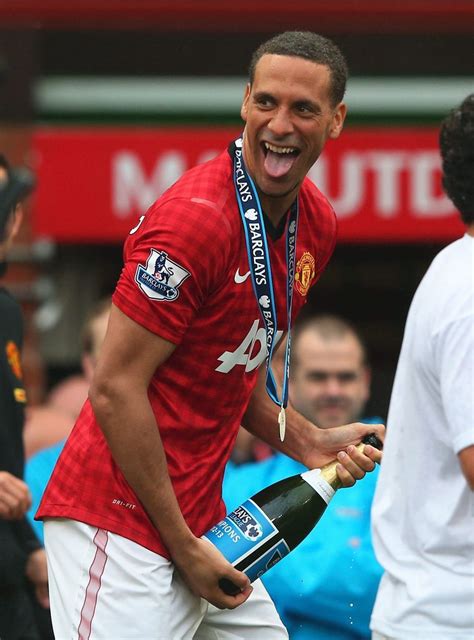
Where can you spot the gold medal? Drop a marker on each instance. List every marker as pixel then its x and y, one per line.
pixel 282 423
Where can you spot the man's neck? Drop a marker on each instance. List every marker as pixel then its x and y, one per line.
pixel 470 230
pixel 276 208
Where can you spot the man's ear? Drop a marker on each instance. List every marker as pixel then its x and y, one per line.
pixel 87 362
pixel 17 219
pixel 245 103
pixel 12 227
pixel 338 120
pixel 367 377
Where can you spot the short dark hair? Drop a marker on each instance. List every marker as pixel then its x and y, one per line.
pixel 313 47
pixel 456 141
pixel 328 326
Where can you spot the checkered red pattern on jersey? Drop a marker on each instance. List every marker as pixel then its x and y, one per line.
pixel 201 392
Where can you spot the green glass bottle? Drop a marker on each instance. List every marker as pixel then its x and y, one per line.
pixel 270 524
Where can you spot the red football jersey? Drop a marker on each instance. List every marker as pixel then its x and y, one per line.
pixel 186 278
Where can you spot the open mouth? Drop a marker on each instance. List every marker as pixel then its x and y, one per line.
pixel 279 160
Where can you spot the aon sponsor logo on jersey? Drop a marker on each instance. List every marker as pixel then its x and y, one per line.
pixel 253 343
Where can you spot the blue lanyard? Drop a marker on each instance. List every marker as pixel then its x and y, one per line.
pixel 261 272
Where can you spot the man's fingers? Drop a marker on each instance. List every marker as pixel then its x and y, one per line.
pixel 6 507
pixel 241 597
pixel 345 477
pixel 354 464
pixel 359 459
pixel 224 601
pixel 11 507
pixel 234 589
pixel 15 498
pixel 374 454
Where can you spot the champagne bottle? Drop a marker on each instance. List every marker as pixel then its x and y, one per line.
pixel 270 524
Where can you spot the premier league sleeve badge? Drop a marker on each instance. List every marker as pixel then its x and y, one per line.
pixel 161 278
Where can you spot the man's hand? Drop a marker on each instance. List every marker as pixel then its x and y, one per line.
pixel 202 566
pixel 340 443
pixel 15 498
pixel 37 572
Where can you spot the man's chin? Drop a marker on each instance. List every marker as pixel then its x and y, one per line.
pixel 328 422
pixel 277 188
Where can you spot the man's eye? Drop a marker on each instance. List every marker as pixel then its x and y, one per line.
pixel 347 376
pixel 304 110
pixel 319 376
pixel 265 102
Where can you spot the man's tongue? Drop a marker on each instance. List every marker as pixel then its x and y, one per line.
pixel 278 164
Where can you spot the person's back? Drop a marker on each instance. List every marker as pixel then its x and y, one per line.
pixel 423 507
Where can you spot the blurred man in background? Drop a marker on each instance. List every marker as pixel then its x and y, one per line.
pixel 39 467
pixel 21 557
pixel 325 589
pixel 423 507
pixel 48 423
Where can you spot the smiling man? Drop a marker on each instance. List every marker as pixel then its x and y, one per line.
pixel 139 480
pixel 330 374
pixel 291 107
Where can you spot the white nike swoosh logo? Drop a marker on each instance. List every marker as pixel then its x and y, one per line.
pixel 239 279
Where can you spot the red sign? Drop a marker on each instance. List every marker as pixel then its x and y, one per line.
pixel 93 184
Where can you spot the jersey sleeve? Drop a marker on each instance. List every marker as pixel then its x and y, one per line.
pixel 172 262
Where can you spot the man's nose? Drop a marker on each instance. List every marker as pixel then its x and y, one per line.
pixel 281 124
pixel 333 386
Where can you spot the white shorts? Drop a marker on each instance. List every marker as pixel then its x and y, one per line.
pixel 106 587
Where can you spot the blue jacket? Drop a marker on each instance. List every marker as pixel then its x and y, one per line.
pixel 38 470
pixel 324 589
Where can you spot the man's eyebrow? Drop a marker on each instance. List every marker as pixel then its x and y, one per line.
pixel 260 95
pixel 308 104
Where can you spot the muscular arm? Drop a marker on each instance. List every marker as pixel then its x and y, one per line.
pixel 466 458
pixel 119 397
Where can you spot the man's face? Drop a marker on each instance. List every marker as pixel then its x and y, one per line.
pixel 330 383
pixel 289 117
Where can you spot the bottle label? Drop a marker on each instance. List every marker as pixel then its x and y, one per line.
pixel 267 560
pixel 319 484
pixel 241 532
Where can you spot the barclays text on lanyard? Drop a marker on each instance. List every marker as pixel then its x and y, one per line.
pixel 257 250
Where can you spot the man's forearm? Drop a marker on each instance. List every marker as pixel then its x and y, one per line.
pixel 129 426
pixel 304 441
pixel 261 419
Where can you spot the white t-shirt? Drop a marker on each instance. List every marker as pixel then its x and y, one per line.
pixel 423 511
